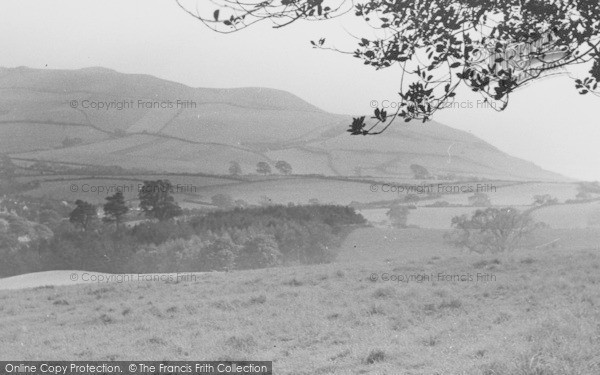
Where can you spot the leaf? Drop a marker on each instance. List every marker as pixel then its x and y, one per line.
pixel 216 15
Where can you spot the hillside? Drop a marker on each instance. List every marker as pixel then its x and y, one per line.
pixel 169 127
pixel 348 317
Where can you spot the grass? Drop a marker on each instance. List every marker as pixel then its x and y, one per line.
pixel 538 317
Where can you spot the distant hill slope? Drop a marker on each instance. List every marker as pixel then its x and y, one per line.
pixel 167 126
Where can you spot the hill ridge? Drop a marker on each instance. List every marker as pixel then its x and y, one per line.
pixel 247 125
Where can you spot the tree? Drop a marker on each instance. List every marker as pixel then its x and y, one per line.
pixel 259 251
pixel 263 167
pixel 156 200
pixel 490 47
pixel 235 169
pixel 419 172
pixel 283 167
pixel 480 200
pixel 398 216
pixel 491 230
pixel 220 255
pixel 115 208
pixel 83 215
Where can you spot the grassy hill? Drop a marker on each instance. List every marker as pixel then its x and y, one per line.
pixel 538 315
pixel 203 130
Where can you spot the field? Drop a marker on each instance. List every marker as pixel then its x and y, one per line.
pixel 531 312
pixel 377 192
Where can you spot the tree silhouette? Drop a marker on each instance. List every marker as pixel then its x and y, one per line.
pixel 491 230
pixel 235 169
pixel 490 47
pixel 115 208
pixel 283 167
pixel 263 167
pixel 83 215
pixel 156 200
pixel 419 172
pixel 398 215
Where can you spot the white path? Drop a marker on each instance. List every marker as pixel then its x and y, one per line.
pixel 63 278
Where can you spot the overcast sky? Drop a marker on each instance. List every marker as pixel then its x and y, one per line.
pixel 547 123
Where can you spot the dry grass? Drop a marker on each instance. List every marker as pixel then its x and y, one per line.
pixel 539 317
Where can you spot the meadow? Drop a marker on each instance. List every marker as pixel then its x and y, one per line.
pixel 537 315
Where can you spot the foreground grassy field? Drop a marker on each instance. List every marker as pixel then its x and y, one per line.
pixel 531 312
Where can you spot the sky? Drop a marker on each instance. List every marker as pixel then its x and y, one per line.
pixel 547 123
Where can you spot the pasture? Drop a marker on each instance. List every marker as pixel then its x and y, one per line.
pixel 299 189
pixel 537 315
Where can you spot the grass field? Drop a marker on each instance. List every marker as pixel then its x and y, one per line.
pixel 300 189
pixel 539 314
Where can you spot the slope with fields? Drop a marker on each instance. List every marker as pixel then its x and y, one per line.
pixel 165 126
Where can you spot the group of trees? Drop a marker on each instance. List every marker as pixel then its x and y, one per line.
pixel 156 201
pixel 262 167
pixel 282 166
pixel 240 238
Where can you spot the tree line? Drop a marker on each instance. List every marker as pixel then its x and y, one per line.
pixel 42 234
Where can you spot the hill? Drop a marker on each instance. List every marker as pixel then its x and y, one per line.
pixel 145 122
